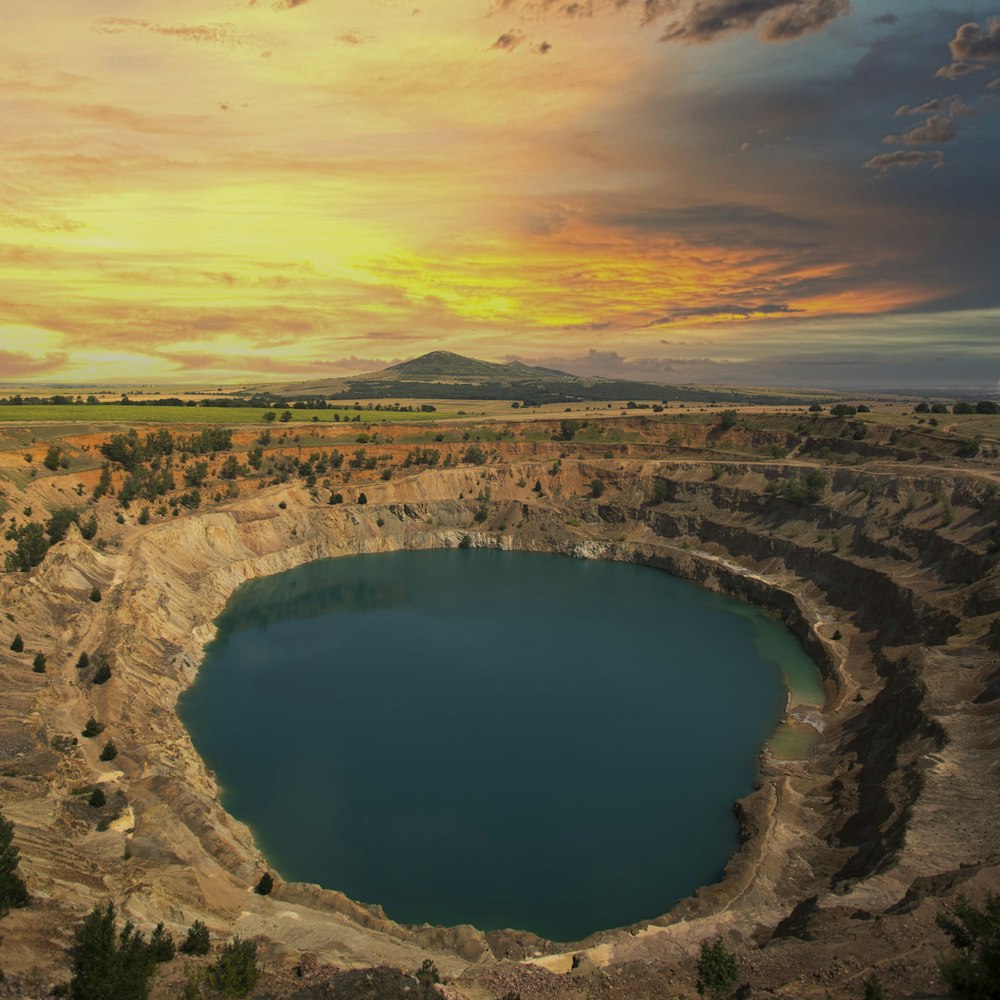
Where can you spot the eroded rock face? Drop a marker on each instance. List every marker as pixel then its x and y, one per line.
pixel 900 793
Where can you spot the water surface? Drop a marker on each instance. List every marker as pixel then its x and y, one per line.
pixel 496 738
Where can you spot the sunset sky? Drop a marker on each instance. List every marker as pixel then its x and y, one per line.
pixel 768 192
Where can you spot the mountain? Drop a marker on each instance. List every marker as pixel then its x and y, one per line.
pixel 445 375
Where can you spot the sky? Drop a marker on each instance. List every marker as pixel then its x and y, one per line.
pixel 758 192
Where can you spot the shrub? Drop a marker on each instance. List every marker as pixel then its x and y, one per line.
pixel 83 662
pixel 265 885
pixel 18 644
pixel 873 988
pixel 597 488
pixel 362 499
pixel 974 972
pixel 110 751
pixel 97 798
pixel 39 663
pixel 103 673
pixel 235 972
pixel 95 595
pixel 197 941
pixel 13 892
pixel 718 970
pixel 728 419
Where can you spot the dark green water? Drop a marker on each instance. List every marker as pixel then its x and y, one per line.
pixel 502 739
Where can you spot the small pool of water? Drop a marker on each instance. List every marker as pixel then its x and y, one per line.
pixel 497 738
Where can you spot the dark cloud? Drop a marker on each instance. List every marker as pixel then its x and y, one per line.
pixel 508 41
pixel 972 49
pixel 936 129
pixel 972 44
pixel 724 310
pixel 952 106
pixel 905 158
pixel 699 20
pixel 778 20
pixel 16 365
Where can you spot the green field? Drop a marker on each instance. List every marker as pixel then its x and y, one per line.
pixel 113 413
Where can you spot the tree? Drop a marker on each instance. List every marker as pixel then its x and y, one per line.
pixel 108 964
pixel 286 416
pixel 235 972
pixel 974 973
pixel 83 662
pixel 568 429
pixel 362 498
pixel 59 522
pixel 39 664
pixel 52 456
pixel 18 644
pixel 718 970
pixel 597 488
pixel 197 941
pixel 95 595
pixel 161 944
pixel 102 674
pixel 97 798
pixel 270 416
pixel 30 548
pixel 843 410
pixel 427 974
pixel 728 419
pixel 110 751
pixel 13 892
pixel 265 885
pixel 92 728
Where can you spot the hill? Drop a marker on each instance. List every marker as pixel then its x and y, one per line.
pixel 445 375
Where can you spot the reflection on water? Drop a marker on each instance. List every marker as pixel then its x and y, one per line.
pixel 267 601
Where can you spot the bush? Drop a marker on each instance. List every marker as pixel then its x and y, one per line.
pixel 39 663
pixel 265 885
pixel 427 975
pixel 83 662
pixel 235 972
pixel 197 941
pixel 718 970
pixel 362 499
pixel 13 892
pixel 728 419
pixel 103 673
pixel 597 488
pixel 97 798
pixel 18 644
pixel 110 751
pixel 95 595
pixel 973 974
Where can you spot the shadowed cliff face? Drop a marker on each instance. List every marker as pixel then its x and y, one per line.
pixel 874 582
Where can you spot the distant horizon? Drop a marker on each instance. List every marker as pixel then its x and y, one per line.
pixel 242 385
